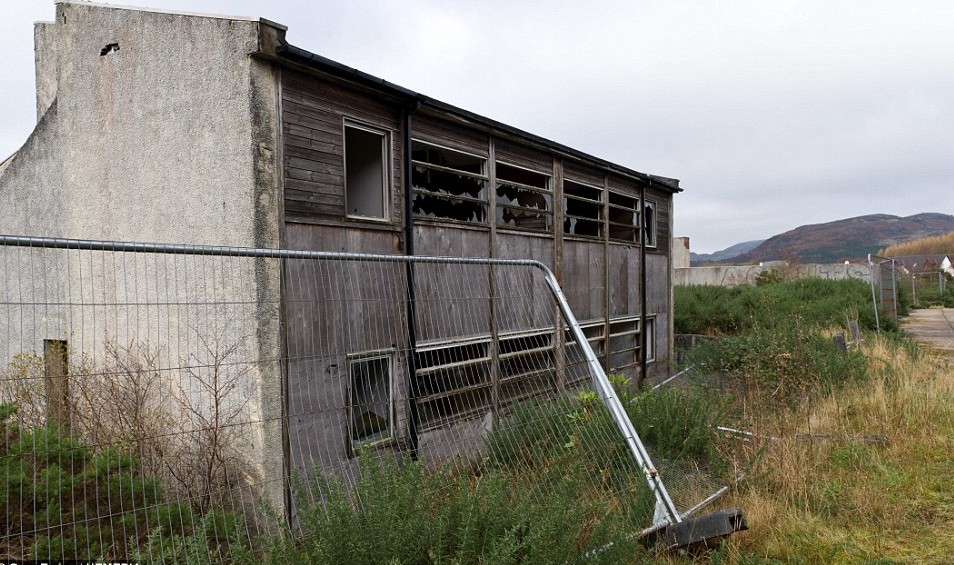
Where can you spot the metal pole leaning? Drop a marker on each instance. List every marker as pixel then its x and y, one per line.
pixel 613 404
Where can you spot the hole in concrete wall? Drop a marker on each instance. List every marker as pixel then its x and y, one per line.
pixel 110 47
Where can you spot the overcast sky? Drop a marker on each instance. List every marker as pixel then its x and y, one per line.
pixel 773 114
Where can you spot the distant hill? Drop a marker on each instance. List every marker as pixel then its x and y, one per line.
pixel 852 238
pixel 725 255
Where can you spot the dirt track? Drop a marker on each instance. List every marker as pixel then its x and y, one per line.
pixel 933 327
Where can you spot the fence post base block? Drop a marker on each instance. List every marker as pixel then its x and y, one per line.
pixel 698 531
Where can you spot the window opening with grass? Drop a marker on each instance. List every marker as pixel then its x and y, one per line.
pixel 583 209
pixel 366 172
pixel 448 184
pixel 371 404
pixel 524 199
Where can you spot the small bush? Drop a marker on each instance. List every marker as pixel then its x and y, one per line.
pixel 68 503
pixel 407 514
pixel 785 363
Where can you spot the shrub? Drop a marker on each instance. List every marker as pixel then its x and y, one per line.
pixel 408 514
pixel 68 502
pixel 715 311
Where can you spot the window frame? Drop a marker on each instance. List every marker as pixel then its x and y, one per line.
pixel 547 192
pixel 386 169
pixel 632 227
pixel 649 223
pixel 482 177
pixel 600 221
pixel 371 439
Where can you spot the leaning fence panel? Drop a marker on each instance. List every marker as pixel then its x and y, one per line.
pixel 155 397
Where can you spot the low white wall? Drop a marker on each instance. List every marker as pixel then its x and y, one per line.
pixel 734 275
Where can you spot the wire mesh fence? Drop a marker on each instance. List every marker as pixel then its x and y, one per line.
pixel 884 286
pixel 155 397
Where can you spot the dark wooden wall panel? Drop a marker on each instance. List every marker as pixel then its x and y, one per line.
pixel 623 280
pixel 448 134
pixel 449 318
pixel 579 172
pixel 524 302
pixel 584 279
pixel 524 156
pixel 313 115
pixel 623 185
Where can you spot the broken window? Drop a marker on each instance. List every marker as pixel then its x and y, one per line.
pixel 650 224
pixel 623 215
pixel 624 344
pixel 649 326
pixel 370 399
pixel 366 172
pixel 523 198
pixel 448 184
pixel 453 381
pixel 527 366
pixel 577 366
pixel 583 209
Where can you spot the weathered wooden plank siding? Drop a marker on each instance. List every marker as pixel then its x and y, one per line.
pixel 455 136
pixel 623 280
pixel 450 318
pixel 313 116
pixel 524 156
pixel 578 172
pixel 584 279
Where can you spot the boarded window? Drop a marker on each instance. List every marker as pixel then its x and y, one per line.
pixel 583 209
pixel 366 172
pixel 523 198
pixel 370 402
pixel 448 184
pixel 623 215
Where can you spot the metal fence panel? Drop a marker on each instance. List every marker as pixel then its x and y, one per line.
pixel 158 388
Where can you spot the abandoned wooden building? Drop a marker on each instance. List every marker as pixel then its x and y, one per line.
pixel 158 126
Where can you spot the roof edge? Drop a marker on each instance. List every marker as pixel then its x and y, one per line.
pixel 298 55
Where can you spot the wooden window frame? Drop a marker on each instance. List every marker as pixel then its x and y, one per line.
pixel 546 193
pixel 386 169
pixel 371 439
pixel 482 201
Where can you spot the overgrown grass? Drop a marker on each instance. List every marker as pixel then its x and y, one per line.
pixel 712 310
pixel 860 474
pixel 850 458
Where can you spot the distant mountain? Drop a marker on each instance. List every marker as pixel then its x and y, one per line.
pixel 725 255
pixel 841 240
